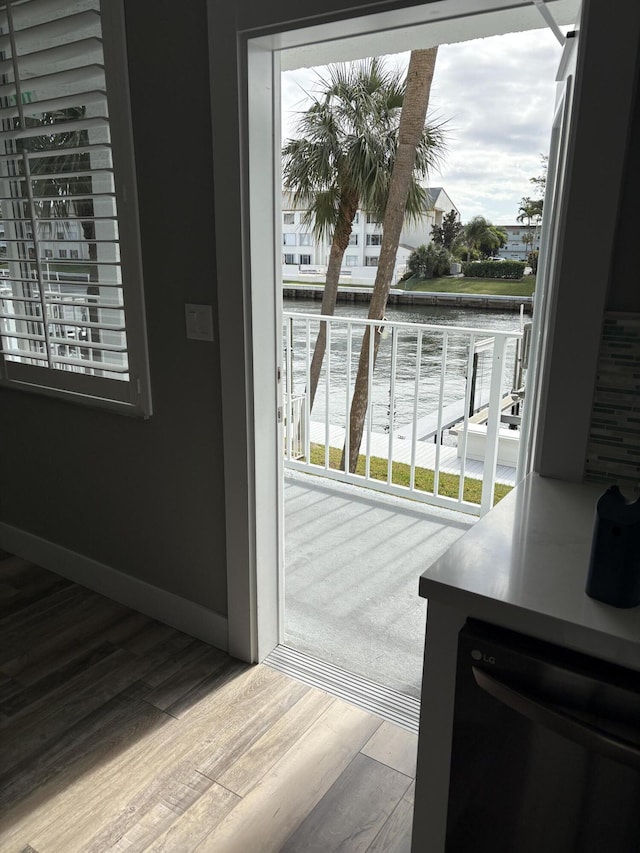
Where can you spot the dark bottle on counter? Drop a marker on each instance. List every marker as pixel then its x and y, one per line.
pixel 614 569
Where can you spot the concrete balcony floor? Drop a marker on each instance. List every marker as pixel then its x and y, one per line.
pixel 352 562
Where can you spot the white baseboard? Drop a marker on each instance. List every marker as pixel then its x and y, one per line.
pixel 180 613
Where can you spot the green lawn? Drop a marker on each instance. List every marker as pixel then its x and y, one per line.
pixel 401 472
pixel 487 286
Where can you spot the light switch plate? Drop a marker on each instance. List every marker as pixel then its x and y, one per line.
pixel 199 320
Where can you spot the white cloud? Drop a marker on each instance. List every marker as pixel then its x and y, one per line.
pixel 497 97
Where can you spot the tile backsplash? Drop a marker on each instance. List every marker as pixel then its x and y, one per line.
pixel 613 452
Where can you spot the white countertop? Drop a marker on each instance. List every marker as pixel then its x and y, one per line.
pixel 524 565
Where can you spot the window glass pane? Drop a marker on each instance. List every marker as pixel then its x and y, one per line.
pixel 62 297
pixel 289 239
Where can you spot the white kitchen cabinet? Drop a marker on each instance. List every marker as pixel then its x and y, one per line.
pixel 523 567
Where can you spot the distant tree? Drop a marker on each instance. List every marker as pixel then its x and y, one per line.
pixel 488 245
pixel 540 181
pixel 429 262
pixel 420 262
pixel 530 214
pixel 479 236
pixel 445 234
pixel 530 210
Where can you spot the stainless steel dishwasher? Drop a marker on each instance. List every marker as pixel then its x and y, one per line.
pixel 546 749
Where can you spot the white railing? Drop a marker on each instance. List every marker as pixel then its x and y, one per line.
pixel 437 399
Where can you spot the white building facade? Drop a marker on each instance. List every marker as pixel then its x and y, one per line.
pixel 303 255
pixel 522 239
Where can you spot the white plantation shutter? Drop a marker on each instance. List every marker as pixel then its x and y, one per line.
pixel 71 318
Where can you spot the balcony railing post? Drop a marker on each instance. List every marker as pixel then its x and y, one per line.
pixel 438 435
pixel 465 420
pixel 288 415
pixel 392 401
pixel 370 337
pixel 347 405
pixel 493 424
pixel 327 392
pixel 307 405
pixel 416 398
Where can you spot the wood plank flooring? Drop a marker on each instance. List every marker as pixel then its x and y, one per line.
pixel 119 733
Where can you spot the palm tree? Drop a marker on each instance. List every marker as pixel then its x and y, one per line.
pixel 341 160
pixel 412 127
pixel 530 210
pixel 476 232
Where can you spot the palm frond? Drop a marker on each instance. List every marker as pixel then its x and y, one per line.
pixel 323 214
pixel 346 141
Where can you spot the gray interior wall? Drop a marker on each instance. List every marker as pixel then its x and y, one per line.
pixel 144 497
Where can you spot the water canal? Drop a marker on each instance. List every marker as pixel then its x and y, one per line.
pixel 430 359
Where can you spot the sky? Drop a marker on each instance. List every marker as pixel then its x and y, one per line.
pixel 496 97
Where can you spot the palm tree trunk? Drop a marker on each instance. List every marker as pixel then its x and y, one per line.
pixel 329 297
pixel 412 120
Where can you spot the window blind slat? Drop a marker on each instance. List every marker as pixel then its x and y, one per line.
pixel 86 364
pixel 40 11
pixel 70 198
pixel 41 62
pixel 52 105
pixel 87 124
pixel 40 339
pixel 91 75
pixel 65 322
pixel 81 220
pixel 73 25
pixel 61 240
pixel 99 306
pixel 67 282
pixel 68 173
pixel 96 151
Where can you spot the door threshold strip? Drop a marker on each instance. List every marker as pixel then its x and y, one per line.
pixel 375 698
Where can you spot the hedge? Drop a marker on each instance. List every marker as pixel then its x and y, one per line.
pixel 494 269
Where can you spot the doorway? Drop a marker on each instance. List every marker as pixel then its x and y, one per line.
pixel 252 512
pixel 352 558
pixel 266 302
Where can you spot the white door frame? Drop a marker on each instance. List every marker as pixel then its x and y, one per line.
pixel 245 40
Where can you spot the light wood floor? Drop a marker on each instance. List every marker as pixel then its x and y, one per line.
pixel 121 734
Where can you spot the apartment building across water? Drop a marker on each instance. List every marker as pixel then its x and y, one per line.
pixel 303 254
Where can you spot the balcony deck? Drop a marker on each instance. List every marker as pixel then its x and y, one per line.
pixel 352 562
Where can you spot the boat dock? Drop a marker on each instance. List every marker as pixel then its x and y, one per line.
pixel 453 414
pixel 401 450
